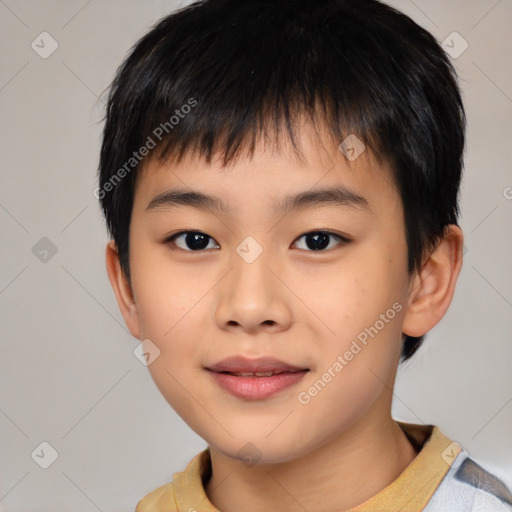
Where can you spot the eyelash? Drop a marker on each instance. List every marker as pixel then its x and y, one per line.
pixel 343 240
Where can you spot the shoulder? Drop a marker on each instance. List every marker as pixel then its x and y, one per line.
pixel 468 487
pixel 160 500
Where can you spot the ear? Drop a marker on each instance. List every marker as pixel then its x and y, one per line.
pixel 122 290
pixel 431 290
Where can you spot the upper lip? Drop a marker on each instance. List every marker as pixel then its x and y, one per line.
pixel 261 364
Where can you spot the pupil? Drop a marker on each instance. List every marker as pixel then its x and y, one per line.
pixel 320 241
pixel 196 241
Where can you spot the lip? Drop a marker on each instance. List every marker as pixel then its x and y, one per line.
pixel 260 364
pixel 254 387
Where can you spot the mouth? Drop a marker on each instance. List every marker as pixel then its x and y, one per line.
pixel 255 379
pixel 261 374
pixel 259 366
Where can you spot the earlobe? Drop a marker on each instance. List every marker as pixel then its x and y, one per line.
pixel 122 290
pixel 432 289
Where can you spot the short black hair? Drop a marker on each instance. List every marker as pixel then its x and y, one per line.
pixel 216 76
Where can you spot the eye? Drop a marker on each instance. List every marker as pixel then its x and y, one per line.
pixel 319 240
pixel 194 240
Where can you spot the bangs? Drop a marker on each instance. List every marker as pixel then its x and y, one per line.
pixel 243 92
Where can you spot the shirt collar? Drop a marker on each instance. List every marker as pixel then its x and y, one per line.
pixel 410 491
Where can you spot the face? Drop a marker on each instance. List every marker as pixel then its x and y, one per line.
pixel 320 286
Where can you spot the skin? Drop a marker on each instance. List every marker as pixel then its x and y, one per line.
pixel 301 306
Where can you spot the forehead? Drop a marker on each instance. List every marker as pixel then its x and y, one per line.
pixel 278 178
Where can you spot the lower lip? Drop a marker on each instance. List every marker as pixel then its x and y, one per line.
pixel 256 388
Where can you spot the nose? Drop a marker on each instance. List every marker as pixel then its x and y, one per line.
pixel 251 298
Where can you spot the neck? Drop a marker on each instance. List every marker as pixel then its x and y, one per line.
pixel 341 474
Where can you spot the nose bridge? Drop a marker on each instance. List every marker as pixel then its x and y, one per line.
pixel 249 250
pixel 250 262
pixel 251 296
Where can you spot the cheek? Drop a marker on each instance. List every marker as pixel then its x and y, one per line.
pixel 352 296
pixel 169 318
pixel 364 310
pixel 164 294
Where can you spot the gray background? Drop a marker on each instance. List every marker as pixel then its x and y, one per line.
pixel 68 373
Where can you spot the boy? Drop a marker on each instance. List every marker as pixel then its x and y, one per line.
pixel 281 181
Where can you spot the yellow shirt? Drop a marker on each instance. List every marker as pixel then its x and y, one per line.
pixel 410 492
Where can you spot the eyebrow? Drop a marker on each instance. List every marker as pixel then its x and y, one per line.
pixel 338 196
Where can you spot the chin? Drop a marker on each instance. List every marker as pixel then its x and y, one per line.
pixel 258 450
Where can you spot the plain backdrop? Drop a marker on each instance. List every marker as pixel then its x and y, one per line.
pixel 68 374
